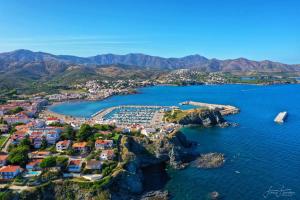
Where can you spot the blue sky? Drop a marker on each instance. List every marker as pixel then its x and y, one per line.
pixel 255 29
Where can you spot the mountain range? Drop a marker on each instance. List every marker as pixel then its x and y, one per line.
pixel 28 65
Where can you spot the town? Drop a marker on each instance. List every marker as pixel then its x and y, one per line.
pixel 38 146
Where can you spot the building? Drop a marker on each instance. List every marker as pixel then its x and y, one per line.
pixel 103 144
pixel 80 147
pixel 39 154
pixel 75 166
pixel 52 120
pixel 34 165
pixel 3 128
pixel 18 118
pixel 93 164
pixel 126 130
pixel 3 160
pixel 10 171
pixel 63 145
pixel 107 154
pixel 148 131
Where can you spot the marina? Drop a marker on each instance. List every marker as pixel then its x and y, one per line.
pixel 133 114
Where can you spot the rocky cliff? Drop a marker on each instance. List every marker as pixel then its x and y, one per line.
pixel 144 159
pixel 206 118
pixel 201 117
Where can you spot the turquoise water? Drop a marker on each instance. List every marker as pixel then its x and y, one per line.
pixel 259 153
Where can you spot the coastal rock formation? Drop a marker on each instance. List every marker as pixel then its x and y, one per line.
pixel 210 160
pixel 156 195
pixel 203 117
pixel 139 155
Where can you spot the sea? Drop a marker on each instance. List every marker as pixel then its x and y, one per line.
pixel 262 157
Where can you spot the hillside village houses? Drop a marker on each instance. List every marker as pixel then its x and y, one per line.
pixel 103 144
pixel 80 147
pixel 63 145
pixel 75 165
pixel 47 140
pixel 107 154
pixel 3 160
pixel 9 172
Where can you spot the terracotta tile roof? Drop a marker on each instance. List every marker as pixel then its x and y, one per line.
pixel 75 162
pixel 52 118
pixel 109 152
pixel 103 141
pixel 79 144
pixel 34 162
pixel 3 157
pixel 10 168
pixel 105 132
pixel 64 142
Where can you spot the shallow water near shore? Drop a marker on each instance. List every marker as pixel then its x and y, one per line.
pixel 259 153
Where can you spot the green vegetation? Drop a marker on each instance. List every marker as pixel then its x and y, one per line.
pixel 85 132
pixel 48 162
pixel 2 139
pixel 56 124
pixel 53 161
pixel 6 195
pixel 104 127
pixel 174 116
pixel 68 133
pixel 108 167
pixel 15 110
pixel 19 155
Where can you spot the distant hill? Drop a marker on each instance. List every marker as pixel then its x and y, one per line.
pixel 57 63
pixel 22 65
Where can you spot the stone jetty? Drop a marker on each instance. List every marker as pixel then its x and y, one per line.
pixel 224 109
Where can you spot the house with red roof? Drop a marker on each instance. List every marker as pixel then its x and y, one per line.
pixel 75 165
pixel 52 120
pixel 103 144
pixel 10 171
pixel 3 160
pixel 107 154
pixel 63 145
pixel 80 147
pixel 34 165
pixel 39 154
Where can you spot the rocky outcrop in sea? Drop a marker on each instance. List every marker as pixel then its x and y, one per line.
pixel 205 118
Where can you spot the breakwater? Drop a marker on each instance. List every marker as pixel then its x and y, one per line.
pixel 224 109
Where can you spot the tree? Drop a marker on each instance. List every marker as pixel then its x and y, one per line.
pixel 104 127
pixel 16 110
pixel 25 142
pixel 58 124
pixel 44 143
pixel 84 132
pixel 19 155
pixel 48 162
pixel 62 161
pixel 68 133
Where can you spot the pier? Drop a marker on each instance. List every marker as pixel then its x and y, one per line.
pixel 224 109
pixel 280 117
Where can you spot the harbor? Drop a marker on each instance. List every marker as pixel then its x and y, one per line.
pixel 133 114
